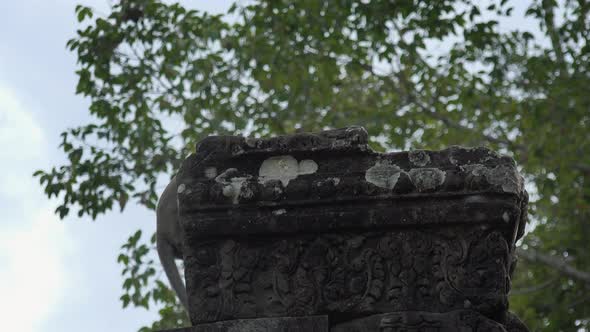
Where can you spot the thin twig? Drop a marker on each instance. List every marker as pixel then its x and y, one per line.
pixel 535 288
pixel 554 262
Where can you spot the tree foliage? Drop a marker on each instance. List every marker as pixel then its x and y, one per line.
pixel 416 74
pixel 142 287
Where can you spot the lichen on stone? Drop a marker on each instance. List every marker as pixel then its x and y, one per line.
pixel 232 184
pixel 285 168
pixel 425 179
pixel 307 166
pixel 383 174
pixel 419 158
pixel 503 176
pixel 279 212
pixel 506 177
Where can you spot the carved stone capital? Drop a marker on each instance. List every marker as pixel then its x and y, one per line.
pixel 319 224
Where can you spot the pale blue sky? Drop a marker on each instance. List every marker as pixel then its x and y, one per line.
pixel 54 275
pixel 58 275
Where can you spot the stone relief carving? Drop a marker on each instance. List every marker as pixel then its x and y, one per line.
pixel 318 224
pixel 352 273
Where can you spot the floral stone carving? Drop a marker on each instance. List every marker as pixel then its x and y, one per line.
pixel 319 224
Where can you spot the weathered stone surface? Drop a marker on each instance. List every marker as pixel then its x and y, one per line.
pixel 279 324
pixel 313 224
pixel 418 321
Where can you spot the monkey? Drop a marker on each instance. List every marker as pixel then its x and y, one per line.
pixel 169 239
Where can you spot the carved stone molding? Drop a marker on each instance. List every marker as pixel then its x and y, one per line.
pixel 319 224
pixel 280 324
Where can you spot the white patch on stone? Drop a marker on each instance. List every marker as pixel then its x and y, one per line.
pixel 282 168
pixel 427 178
pixel 383 174
pixel 210 172
pixel 307 166
pixel 231 186
pixel 279 212
pixel 285 168
pixel 506 217
pixel 181 188
pixel 228 191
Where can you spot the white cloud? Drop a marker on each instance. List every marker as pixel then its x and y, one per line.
pixel 21 145
pixel 33 278
pixel 17 127
pixel 32 240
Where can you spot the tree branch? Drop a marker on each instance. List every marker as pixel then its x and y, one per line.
pixel 548 17
pixel 535 288
pixel 554 262
pixel 431 111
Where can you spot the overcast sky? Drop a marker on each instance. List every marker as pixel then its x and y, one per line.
pixel 57 275
pixel 54 275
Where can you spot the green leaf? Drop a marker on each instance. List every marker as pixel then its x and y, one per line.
pixel 268 67
pixel 83 13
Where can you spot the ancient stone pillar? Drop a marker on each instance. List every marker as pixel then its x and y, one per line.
pixel 317 232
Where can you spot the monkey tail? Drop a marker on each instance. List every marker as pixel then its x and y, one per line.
pixel 166 254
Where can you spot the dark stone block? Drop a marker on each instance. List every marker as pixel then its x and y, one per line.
pixel 279 324
pixel 319 224
pixel 418 321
